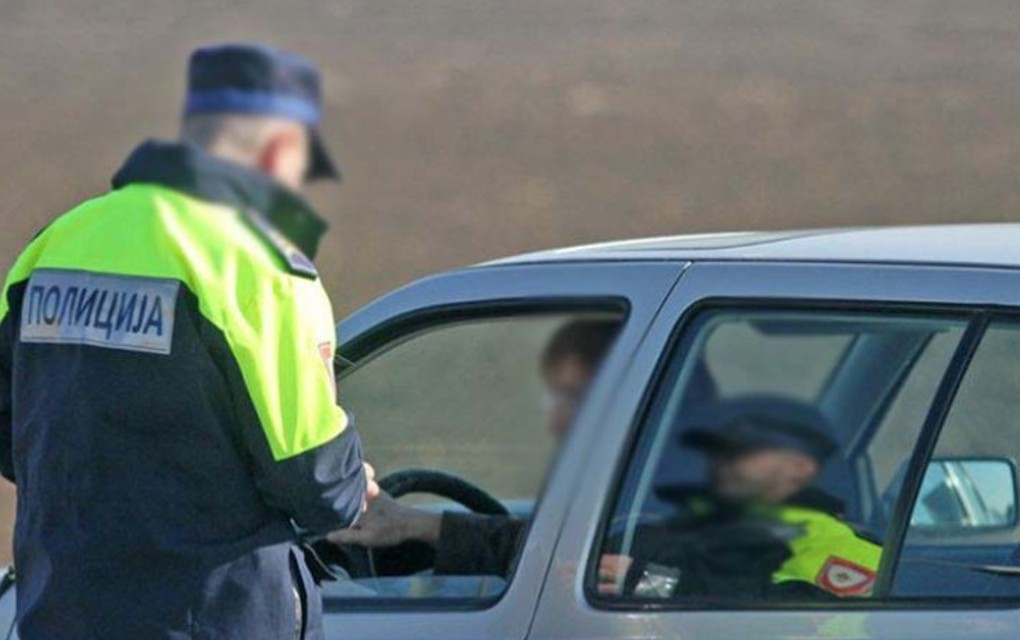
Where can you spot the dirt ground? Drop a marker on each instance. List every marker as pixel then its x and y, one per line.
pixel 471 129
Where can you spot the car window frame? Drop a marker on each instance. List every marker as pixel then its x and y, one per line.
pixel 395 331
pixel 977 319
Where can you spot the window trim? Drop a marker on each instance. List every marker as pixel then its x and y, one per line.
pixel 976 320
pixel 362 349
pixel 399 329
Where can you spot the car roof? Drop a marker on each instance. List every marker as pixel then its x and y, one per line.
pixel 991 245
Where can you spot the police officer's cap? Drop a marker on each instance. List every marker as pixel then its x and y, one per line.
pixel 755 423
pixel 258 79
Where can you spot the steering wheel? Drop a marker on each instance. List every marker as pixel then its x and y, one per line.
pixel 410 557
pixel 445 485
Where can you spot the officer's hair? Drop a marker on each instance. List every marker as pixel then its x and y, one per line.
pixel 588 340
pixel 239 136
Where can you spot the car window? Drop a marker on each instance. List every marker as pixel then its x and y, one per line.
pixel 483 401
pixel 742 484
pixel 745 358
pixel 964 537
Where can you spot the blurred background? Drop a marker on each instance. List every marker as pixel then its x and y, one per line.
pixel 472 129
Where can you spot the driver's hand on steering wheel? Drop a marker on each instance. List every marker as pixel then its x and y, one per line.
pixel 387 523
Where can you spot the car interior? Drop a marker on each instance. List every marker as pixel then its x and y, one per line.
pixel 875 378
pixel 460 423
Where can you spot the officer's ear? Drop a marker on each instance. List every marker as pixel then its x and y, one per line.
pixel 284 155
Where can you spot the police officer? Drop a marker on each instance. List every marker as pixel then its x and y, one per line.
pixel 167 402
pixel 758 528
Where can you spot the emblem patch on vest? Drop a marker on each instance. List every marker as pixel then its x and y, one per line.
pixel 845 578
pixel 114 312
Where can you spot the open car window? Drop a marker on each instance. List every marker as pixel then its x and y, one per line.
pixel 483 401
pixel 751 480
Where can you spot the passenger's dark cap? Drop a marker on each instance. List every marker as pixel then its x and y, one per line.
pixel 755 423
pixel 258 79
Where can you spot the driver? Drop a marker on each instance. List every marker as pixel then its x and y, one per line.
pixel 469 544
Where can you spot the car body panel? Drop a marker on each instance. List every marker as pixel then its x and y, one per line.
pixel 964 245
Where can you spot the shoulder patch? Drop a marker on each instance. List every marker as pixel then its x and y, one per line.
pixel 845 578
pixel 297 262
pixel 109 311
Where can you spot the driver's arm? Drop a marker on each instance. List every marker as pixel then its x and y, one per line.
pixel 466 544
pixel 472 544
pixel 387 523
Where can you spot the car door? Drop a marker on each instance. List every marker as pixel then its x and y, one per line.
pixel 442 374
pixel 787 329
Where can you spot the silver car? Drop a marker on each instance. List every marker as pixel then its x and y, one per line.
pixel 906 339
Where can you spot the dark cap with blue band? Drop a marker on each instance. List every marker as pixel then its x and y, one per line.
pixel 258 79
pixel 755 423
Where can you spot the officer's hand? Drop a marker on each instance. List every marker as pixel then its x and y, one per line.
pixel 372 490
pixel 387 523
pixel 613 573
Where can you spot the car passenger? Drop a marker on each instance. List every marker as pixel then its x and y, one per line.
pixel 470 544
pixel 757 528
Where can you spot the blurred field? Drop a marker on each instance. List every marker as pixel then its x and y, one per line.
pixel 471 129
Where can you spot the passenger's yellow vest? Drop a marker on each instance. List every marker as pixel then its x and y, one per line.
pixel 828 554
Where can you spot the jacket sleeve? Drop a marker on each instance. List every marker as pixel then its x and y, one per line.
pixel 306 459
pixel 478 545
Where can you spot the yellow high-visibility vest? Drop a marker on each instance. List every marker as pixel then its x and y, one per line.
pixel 829 554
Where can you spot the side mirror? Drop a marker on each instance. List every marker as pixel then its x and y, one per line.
pixel 966 495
